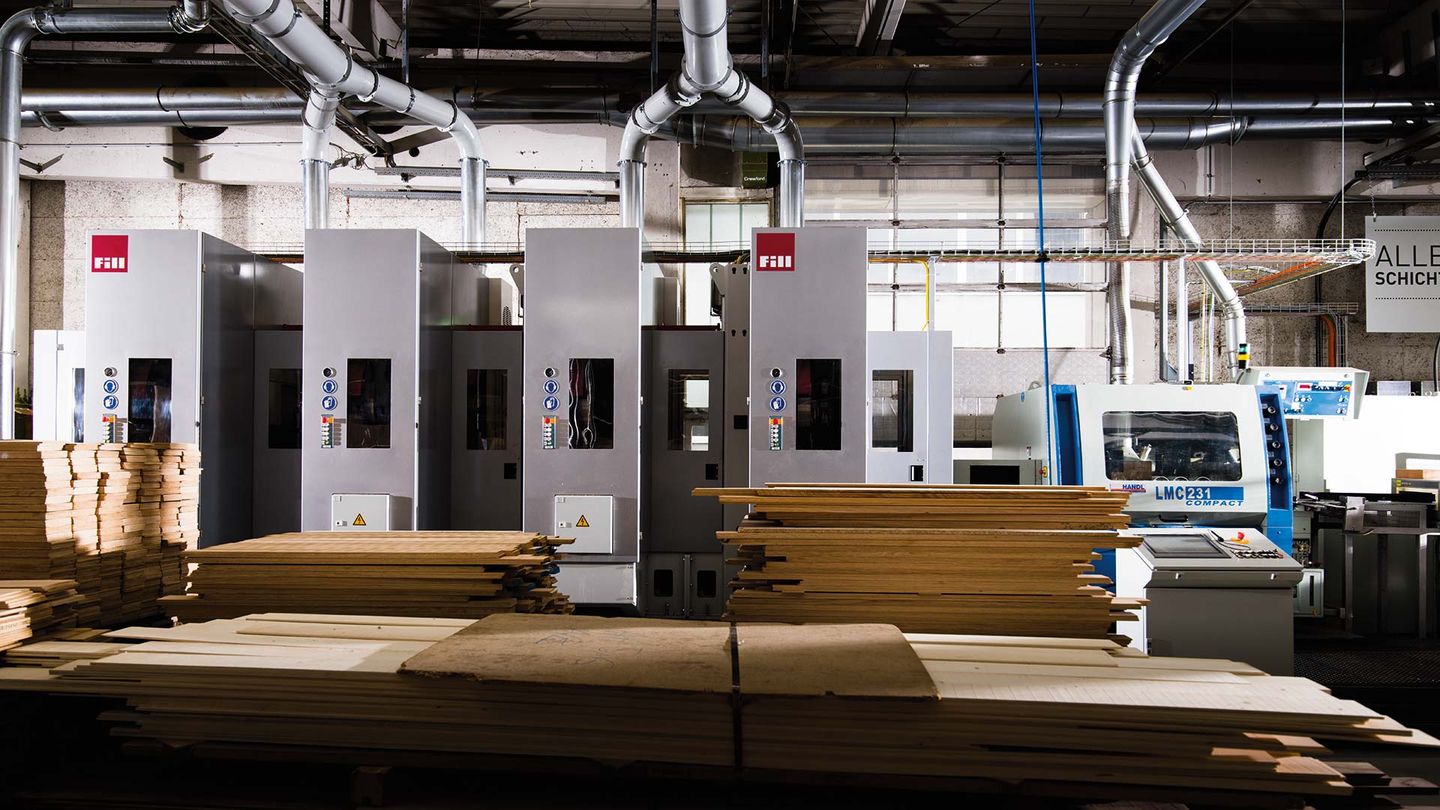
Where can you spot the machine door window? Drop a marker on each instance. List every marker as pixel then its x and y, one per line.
pixel 892 410
pixel 592 404
pixel 283 404
pixel 688 405
pixel 367 403
pixel 485 411
pixel 150 399
pixel 1171 446
pixel 817 404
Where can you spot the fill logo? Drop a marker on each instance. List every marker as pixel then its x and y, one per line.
pixel 775 252
pixel 110 254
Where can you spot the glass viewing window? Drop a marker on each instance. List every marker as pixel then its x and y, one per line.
pixel 892 410
pixel 485 410
pixel 367 403
pixel 284 407
pixel 1171 446
pixel 592 404
pixel 150 397
pixel 817 404
pixel 688 426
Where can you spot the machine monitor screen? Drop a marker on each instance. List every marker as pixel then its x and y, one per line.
pixel 485 411
pixel 592 403
pixel 367 403
pixel 688 423
pixel 817 404
pixel 150 399
pixel 1172 446
pixel 284 409
pixel 1183 545
pixel 892 410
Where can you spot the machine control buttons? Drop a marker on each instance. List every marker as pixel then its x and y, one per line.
pixel 110 371
pixel 552 387
pixel 328 437
pixel 328 403
pixel 110 402
pixel 777 433
pixel 549 372
pixel 328 372
pixel 777 387
pixel 1260 554
pixel 777 404
pixel 776 373
pixel 552 403
pixel 329 386
pixel 111 386
pixel 547 432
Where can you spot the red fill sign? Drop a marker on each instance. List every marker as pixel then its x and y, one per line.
pixel 775 252
pixel 109 253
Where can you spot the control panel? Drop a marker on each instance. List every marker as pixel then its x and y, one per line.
pixel 590 519
pixel 1279 517
pixel 332 428
pixel 1201 548
pixel 1312 393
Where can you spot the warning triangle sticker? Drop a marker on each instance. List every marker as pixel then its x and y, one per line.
pixel 359 521
pixel 582 523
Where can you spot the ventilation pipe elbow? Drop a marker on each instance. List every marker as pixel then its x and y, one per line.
pixel 332 68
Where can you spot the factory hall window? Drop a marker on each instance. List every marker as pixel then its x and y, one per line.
pixel 284 407
pixel 592 404
pixel 485 408
pixel 1171 446
pixel 688 424
pixel 817 404
pixel 367 403
pixel 892 410
pixel 150 396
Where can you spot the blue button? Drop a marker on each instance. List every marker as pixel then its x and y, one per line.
pixel 551 403
pixel 777 403
pixel 111 402
pixel 329 386
pixel 111 386
pixel 777 386
pixel 328 403
pixel 551 386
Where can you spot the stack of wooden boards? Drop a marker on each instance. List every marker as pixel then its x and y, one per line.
pixel 32 608
pixel 111 517
pixel 1076 718
pixel 446 574
pixel 948 559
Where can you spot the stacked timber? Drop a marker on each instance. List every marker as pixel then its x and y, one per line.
pixel 168 507
pixel 1071 718
pixel 35 608
pixel 446 574
pixel 1009 560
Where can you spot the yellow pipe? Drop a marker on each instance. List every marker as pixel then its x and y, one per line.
pixel 929 279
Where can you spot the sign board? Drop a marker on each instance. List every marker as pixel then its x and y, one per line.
pixel 1402 279
pixel 109 253
pixel 775 252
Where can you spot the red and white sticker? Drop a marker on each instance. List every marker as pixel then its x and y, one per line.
pixel 775 252
pixel 109 253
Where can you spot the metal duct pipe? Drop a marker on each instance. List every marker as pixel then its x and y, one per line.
pixel 1119 115
pixel 330 67
pixel 708 69
pixel 1177 220
pixel 317 121
pixel 15 37
pixel 1184 337
pixel 161 98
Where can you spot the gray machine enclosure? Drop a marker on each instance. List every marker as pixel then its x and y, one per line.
pixel 929 359
pixel 195 301
pixel 485 491
pixel 814 311
pixel 381 295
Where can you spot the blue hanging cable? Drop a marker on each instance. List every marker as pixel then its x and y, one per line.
pixel 1051 471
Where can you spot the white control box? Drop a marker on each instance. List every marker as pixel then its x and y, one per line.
pixel 368 512
pixel 590 519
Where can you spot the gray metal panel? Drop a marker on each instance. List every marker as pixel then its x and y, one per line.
pixel 363 300
pixel 816 310
pixel 276 506
pixel 481 496
pixel 928 356
pixel 675 520
pixel 582 299
pixel 439 286
pixel 734 283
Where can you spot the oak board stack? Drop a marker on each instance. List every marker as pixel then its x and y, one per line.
pixel 35 608
pixel 463 575
pixel 943 559
pixel 1071 718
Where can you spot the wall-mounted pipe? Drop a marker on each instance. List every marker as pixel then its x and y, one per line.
pixel 707 69
pixel 331 68
pixel 1175 218
pixel 317 121
pixel 15 37
pixel 1119 115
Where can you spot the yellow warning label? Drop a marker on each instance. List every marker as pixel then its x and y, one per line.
pixel 582 523
pixel 358 521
